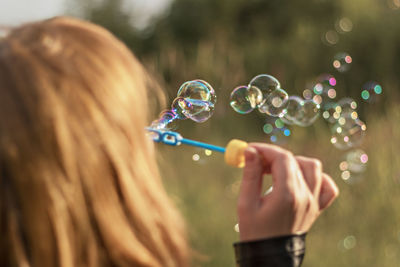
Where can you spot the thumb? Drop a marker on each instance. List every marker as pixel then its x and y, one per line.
pixel 329 192
pixel 250 190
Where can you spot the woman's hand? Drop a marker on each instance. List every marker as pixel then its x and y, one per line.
pixel 300 192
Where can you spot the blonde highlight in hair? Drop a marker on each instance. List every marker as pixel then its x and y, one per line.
pixel 79 182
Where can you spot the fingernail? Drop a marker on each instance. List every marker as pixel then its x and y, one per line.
pixel 250 154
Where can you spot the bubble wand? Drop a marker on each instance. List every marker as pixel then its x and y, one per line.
pixel 233 152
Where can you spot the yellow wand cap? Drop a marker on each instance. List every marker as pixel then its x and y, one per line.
pixel 234 153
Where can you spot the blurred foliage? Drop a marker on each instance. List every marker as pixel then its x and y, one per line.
pixel 227 42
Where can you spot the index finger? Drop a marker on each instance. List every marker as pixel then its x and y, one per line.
pixel 282 164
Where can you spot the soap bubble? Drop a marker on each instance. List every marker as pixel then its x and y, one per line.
pixel 327 79
pixel 355 161
pixel 308 113
pixel 199 99
pixel 371 91
pixel 196 157
pixel 344 25
pixel 307 94
pixel 292 111
pixel 349 242
pixel 266 83
pixel 275 103
pixel 317 99
pixel 347 105
pixel 199 111
pixel 347 133
pixel 324 89
pixel 208 152
pixel 166 121
pixel 198 90
pixel 350 177
pixel 331 112
pixel 244 99
pixel 342 62
pixel 279 136
pixel 330 37
pixel 279 123
pixel 178 105
pixel 268 128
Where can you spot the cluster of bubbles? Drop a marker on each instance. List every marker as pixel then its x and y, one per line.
pixel 342 26
pixel 265 94
pixel 347 130
pixel 195 100
pixel 277 130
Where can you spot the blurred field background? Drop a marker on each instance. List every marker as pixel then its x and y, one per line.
pixel 227 42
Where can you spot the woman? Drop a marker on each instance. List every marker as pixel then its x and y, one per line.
pixel 79 182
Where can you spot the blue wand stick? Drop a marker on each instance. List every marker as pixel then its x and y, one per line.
pixel 175 139
pixel 233 153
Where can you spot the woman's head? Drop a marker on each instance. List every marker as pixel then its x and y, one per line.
pixel 79 184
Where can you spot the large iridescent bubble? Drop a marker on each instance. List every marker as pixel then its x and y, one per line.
pixel 266 83
pixel 292 112
pixel 309 112
pixel 245 99
pixel 198 100
pixel 275 104
pixel 195 100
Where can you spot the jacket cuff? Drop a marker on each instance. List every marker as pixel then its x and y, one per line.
pixel 287 251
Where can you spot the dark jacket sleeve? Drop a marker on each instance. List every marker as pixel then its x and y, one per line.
pixel 284 251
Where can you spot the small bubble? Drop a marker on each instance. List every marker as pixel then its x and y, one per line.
pixel 195 157
pixel 268 128
pixel 331 37
pixel 275 103
pixel 343 166
pixel 357 160
pixel 279 123
pixel 317 99
pixel 371 92
pixel 207 152
pixel 331 93
pixel 345 175
pixel 344 25
pixel 342 62
pixel 349 242
pixel 307 94
pixel 348 135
